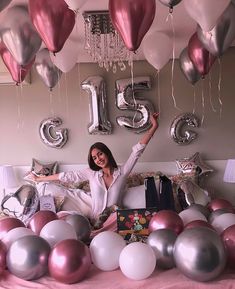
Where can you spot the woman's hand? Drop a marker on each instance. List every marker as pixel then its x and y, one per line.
pixel 31 176
pixel 150 132
pixel 153 120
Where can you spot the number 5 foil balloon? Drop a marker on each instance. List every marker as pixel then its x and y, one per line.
pixel 176 129
pixel 99 124
pixel 125 100
pixel 50 135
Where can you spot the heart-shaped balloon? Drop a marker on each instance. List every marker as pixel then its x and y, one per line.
pixel 4 3
pixel 206 12
pixel 48 72
pixel 188 68
pixel 219 39
pixel 18 72
pixel 132 19
pixel 201 58
pixel 19 35
pixel 53 20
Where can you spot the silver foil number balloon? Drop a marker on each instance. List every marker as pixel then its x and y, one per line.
pixel 99 123
pixel 176 129
pixel 125 100
pixel 19 35
pixel 51 135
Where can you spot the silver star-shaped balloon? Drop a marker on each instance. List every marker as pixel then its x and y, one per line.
pixel 192 164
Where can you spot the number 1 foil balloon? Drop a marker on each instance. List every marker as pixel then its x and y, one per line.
pixel 100 124
pixel 4 3
pixel 125 100
pixel 48 72
pixel 19 35
pixel 18 72
pixel 51 135
pixel 132 19
pixel 219 39
pixel 53 20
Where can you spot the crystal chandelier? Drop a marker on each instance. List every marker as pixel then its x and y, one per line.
pixel 103 43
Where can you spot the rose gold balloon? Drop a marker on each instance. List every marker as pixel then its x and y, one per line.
pixel 69 261
pixel 220 204
pixel 3 252
pixel 53 20
pixel 200 57
pixel 228 238
pixel 166 219
pixel 198 223
pixel 18 72
pixel 9 223
pixel 40 219
pixel 132 19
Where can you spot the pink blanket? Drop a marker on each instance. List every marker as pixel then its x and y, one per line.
pixel 170 279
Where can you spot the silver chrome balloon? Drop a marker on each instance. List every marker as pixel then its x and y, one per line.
pixel 51 135
pixel 176 130
pixel 4 3
pixel 99 123
pixel 220 38
pixel 162 242
pixel 81 226
pixel 199 254
pixel 49 73
pixel 170 3
pixel 27 257
pixel 19 35
pixel 188 68
pixel 126 100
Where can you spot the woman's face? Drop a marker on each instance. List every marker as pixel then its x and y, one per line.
pixel 99 158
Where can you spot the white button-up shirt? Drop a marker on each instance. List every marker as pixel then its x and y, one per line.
pixel 102 197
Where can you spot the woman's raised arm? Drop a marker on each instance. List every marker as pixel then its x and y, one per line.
pixel 148 135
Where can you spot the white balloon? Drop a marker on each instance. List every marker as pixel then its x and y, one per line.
pixel 66 58
pixel 56 231
pixel 15 234
pixel 157 48
pixel 75 4
pixel 206 12
pixel 105 249
pixel 137 261
pixel 190 215
pixel 222 222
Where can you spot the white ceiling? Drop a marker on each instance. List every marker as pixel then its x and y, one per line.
pixel 184 26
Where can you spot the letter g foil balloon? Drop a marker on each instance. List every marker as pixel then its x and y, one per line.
pixel 132 19
pixel 53 20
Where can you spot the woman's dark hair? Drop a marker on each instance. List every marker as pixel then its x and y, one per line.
pixel 102 147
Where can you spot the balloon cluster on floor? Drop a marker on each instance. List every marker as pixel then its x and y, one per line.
pixel 199 241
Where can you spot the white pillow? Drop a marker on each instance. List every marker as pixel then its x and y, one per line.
pixel 135 198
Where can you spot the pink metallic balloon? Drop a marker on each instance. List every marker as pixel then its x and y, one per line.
pixel 132 19
pixel 220 204
pixel 4 3
pixel 198 223
pixel 69 261
pixel 228 238
pixel 166 219
pixel 53 20
pixel 3 252
pixel 9 223
pixel 200 57
pixel 40 219
pixel 18 72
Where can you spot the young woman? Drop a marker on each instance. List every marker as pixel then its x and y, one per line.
pixel 107 180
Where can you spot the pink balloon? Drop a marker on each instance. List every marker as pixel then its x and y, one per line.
pixel 228 238
pixel 18 72
pixel 40 219
pixel 3 252
pixel 8 224
pixel 53 20
pixel 220 204
pixel 132 19
pixel 76 261
pixel 198 223
pixel 200 57
pixel 166 219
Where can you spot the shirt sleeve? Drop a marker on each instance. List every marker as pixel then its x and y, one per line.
pixel 137 151
pixel 75 176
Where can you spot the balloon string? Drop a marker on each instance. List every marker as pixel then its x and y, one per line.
pixel 203 104
pixel 194 99
pixel 158 93
pixel 210 93
pixel 51 102
pixel 173 58
pixel 66 95
pixel 18 107
pixel 132 88
pixel 219 88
